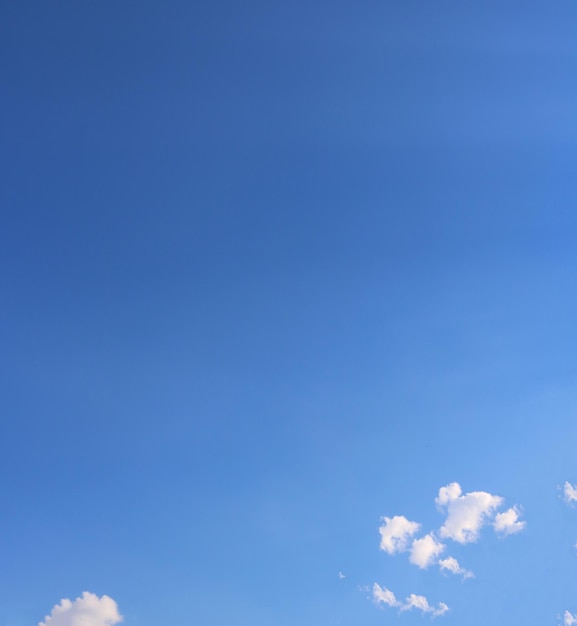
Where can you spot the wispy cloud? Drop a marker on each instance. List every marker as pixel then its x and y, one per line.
pixel 569 619
pixel 88 610
pixel 382 595
pixel 570 492
pixel 422 604
pixel 450 564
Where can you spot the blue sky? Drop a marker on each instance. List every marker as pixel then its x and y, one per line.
pixel 272 273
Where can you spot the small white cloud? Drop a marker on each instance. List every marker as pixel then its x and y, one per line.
pixel 382 595
pixel 508 522
pixel 396 533
pixel 422 604
pixel 440 610
pixel 570 492
pixel 448 493
pixel 569 619
pixel 466 514
pixel 89 610
pixel 341 576
pixel 450 564
pixel 425 551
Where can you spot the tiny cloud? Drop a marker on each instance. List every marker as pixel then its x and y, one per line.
pixel 570 492
pixel 382 595
pixel 450 564
pixel 88 610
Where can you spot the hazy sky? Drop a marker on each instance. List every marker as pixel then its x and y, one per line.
pixel 288 313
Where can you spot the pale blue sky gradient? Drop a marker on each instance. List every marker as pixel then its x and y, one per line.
pixel 272 271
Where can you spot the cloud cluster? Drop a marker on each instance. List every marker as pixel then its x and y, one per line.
pixel 465 516
pixel 88 610
pixel 382 595
pixel 397 535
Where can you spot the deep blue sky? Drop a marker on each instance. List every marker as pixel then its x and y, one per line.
pixel 271 271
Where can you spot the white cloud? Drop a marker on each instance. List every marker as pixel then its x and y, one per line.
pixel 450 564
pixel 421 603
pixel 396 533
pixel 508 522
pixel 425 551
pixel 382 595
pixel 341 576
pixel 466 514
pixel 569 619
pixel 448 493
pixel 570 492
pixel 89 610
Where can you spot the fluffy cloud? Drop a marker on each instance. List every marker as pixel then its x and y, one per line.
pixel 448 493
pixel 89 610
pixel 508 523
pixel 425 551
pixel 450 564
pixel 396 533
pixel 466 514
pixel 382 595
pixel 569 619
pixel 570 492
